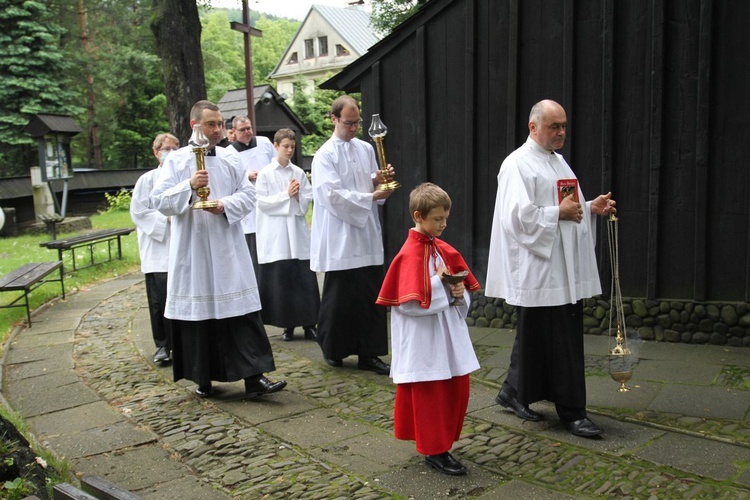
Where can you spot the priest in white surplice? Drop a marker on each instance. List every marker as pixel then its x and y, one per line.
pixel 346 243
pixel 212 294
pixel 542 261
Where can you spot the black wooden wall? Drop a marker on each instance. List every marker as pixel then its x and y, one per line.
pixel 658 100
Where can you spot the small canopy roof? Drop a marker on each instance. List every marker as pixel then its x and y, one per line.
pixel 43 124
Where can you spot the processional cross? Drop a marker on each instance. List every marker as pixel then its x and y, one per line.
pixel 248 31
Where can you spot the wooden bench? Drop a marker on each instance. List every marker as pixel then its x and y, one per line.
pixel 93 488
pixel 27 278
pixel 89 240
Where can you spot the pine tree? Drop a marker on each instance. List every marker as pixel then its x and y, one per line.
pixel 34 77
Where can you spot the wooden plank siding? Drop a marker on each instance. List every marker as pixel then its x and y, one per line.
pixel 658 100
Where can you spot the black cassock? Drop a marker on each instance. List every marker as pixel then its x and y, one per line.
pixel 224 350
pixel 289 293
pixel 350 323
pixel 547 361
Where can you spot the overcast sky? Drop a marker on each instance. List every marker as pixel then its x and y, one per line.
pixel 294 9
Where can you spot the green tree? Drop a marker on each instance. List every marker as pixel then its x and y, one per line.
pixel 117 80
pixel 387 14
pixel 314 110
pixel 224 50
pixel 223 55
pixel 177 29
pixel 268 49
pixel 34 80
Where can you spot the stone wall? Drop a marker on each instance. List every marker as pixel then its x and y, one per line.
pixel 689 322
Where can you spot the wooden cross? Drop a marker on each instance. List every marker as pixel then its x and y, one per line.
pixel 247 32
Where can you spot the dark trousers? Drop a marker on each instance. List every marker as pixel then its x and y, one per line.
pixel 349 322
pixel 546 362
pixel 156 295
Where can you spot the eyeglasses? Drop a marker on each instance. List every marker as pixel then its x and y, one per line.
pixel 162 150
pixel 350 124
pixel 243 129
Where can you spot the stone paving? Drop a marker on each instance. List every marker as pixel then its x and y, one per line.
pixel 83 380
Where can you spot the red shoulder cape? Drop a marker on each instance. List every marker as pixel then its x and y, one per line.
pixel 408 277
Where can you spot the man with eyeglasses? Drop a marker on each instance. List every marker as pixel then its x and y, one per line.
pixel 255 153
pixel 212 294
pixel 346 243
pixel 153 245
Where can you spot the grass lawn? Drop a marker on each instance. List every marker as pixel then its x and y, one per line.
pixel 14 252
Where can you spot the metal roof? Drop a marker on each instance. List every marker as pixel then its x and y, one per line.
pixel 352 24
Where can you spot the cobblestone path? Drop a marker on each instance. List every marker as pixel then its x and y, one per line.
pixel 244 461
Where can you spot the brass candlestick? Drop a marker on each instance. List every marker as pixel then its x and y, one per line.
pixel 377 131
pixel 200 142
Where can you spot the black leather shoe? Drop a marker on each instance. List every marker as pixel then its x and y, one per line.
pixel 336 363
pixel 263 386
pixel 288 334
pixel 310 333
pixel 162 355
pixel 522 411
pixel 583 428
pixel 446 464
pixel 374 365
pixel 203 391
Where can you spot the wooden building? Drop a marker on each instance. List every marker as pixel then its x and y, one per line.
pixel 658 101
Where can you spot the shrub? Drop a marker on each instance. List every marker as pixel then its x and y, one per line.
pixel 119 202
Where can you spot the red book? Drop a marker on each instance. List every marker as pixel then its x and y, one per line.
pixel 566 187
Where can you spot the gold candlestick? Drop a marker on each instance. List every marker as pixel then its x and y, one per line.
pixel 199 142
pixel 377 131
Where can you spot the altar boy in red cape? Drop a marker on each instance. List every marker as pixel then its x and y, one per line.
pixel 432 354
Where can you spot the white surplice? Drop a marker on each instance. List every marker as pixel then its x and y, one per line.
pixel 535 259
pixel 346 225
pixel 282 232
pixel 433 343
pixel 253 160
pixel 210 272
pixel 151 225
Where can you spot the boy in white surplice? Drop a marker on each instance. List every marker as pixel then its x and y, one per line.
pixel 288 288
pixel 432 354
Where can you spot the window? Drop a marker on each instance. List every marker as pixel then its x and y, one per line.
pixel 309 49
pixel 292 59
pixel 341 50
pixel 323 45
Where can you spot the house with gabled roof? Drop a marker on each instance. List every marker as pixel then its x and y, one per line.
pixel 328 39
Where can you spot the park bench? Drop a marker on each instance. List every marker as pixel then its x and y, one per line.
pixel 89 240
pixel 27 278
pixel 92 488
